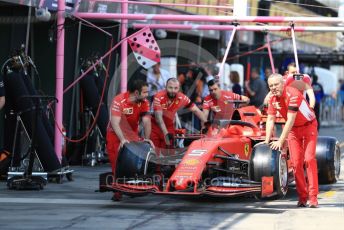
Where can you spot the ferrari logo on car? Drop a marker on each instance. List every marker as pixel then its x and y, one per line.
pixel 246 149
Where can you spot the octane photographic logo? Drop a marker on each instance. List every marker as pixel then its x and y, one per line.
pixel 160 180
pixel 155 179
pixel 199 64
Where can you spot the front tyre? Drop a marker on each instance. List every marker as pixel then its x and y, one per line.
pixel 136 159
pixel 268 162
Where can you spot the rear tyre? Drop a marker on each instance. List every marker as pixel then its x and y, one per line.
pixel 328 160
pixel 268 162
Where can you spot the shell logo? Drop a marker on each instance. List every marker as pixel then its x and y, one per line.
pixel 191 162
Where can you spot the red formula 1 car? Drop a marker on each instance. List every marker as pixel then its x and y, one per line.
pixel 229 160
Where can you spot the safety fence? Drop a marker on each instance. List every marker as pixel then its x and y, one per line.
pixel 331 111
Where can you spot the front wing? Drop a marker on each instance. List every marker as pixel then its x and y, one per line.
pixel 140 188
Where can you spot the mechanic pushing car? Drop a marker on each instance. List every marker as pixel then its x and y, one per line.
pixel 126 110
pixel 218 102
pixel 302 82
pixel 301 130
pixel 165 105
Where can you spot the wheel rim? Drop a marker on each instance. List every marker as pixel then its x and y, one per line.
pixel 283 173
pixel 337 162
pixel 149 158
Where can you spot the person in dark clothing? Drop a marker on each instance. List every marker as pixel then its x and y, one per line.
pixel 341 95
pixel 256 89
pixel 235 79
pixel 267 73
pixel 192 87
pixel 319 94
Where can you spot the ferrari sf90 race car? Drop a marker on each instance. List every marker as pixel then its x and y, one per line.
pixel 230 159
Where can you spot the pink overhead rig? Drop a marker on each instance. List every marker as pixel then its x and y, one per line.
pixel 208 18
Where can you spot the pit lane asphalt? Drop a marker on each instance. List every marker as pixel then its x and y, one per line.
pixel 75 205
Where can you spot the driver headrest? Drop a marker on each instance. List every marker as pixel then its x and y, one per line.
pixel 234 130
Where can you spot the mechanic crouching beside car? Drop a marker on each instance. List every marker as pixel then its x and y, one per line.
pixel 126 110
pixel 301 131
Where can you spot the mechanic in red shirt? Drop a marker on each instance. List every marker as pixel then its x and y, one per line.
pixel 126 110
pixel 166 104
pixel 302 82
pixel 301 130
pixel 217 102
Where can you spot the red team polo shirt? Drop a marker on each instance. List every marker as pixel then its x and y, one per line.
pixel 130 114
pixel 220 107
pixel 291 101
pixel 169 108
pixel 290 81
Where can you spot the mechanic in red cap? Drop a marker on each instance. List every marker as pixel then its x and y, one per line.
pixel 126 110
pixel 301 130
pixel 165 105
pixel 217 101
